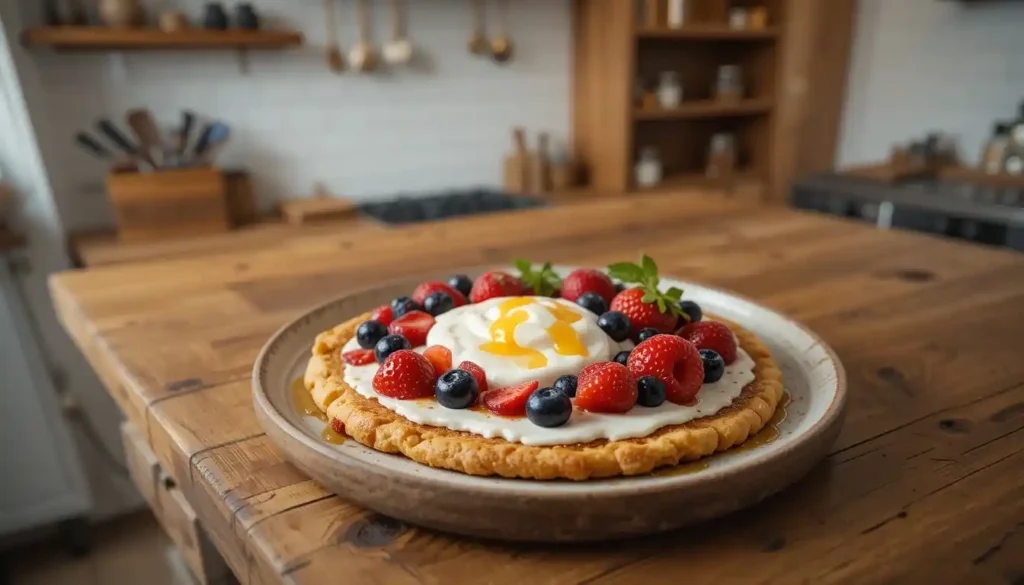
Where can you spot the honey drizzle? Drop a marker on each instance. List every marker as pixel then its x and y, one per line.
pixel 303 401
pixel 564 338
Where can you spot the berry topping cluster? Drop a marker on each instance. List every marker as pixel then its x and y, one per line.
pixel 677 351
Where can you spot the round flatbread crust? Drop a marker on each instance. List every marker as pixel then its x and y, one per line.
pixel 373 425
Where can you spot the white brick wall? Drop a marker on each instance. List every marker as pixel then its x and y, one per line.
pixel 444 124
pixel 931 64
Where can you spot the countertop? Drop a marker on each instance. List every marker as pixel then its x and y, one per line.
pixel 924 484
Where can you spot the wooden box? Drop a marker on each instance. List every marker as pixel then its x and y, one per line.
pixel 169 203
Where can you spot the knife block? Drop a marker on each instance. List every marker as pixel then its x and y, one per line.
pixel 169 204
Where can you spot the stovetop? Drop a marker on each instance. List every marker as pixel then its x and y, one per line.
pixel 408 209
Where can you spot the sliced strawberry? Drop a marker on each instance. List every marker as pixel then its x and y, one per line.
pixel 358 357
pixel 673 360
pixel 584 280
pixel 384 314
pixel 510 401
pixel 440 357
pixel 477 372
pixel 405 375
pixel 711 335
pixel 490 285
pixel 606 387
pixel 413 326
pixel 432 286
pixel 337 426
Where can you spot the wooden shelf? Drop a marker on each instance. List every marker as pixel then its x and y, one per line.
pixel 75 38
pixel 703 109
pixel 699 179
pixel 708 32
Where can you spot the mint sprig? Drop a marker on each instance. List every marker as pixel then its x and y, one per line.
pixel 545 282
pixel 645 274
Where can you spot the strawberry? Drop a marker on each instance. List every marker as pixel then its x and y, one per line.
pixel 711 335
pixel 477 372
pixel 584 280
pixel 606 387
pixel 413 326
pixel 440 357
pixel 495 284
pixel 383 314
pixel 405 375
pixel 543 283
pixel 510 401
pixel 673 360
pixel 424 290
pixel 645 305
pixel 358 357
pixel 642 315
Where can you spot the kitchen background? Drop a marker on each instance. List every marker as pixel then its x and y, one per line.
pixel 916 65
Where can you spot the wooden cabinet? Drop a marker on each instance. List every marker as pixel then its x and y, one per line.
pixel 622 47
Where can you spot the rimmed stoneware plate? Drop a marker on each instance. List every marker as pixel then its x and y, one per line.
pixel 515 509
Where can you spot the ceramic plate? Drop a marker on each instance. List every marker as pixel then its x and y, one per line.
pixel 517 509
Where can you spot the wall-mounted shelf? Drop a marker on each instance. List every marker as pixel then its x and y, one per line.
pixel 74 38
pixel 708 32
pixel 676 181
pixel 706 109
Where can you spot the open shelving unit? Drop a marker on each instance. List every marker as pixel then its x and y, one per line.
pixel 95 38
pixel 618 45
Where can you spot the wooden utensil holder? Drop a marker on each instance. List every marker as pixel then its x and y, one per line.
pixel 169 204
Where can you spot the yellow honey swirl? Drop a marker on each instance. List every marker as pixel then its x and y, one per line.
pixel 564 338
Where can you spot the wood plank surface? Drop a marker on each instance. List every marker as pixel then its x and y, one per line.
pixel 926 482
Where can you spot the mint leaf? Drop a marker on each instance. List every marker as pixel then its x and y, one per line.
pixel 626 272
pixel 649 267
pixel 674 293
pixel 522 265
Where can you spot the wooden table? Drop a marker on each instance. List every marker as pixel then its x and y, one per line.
pixel 926 483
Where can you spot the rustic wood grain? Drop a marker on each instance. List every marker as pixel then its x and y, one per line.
pixel 926 482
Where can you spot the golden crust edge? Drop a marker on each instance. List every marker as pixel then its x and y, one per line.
pixel 371 424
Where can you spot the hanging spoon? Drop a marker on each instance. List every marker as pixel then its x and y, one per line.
pixel 501 45
pixel 478 44
pixel 363 57
pixel 399 50
pixel 334 58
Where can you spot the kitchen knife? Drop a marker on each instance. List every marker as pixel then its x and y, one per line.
pixel 144 127
pixel 188 121
pixel 212 139
pixel 90 144
pixel 110 131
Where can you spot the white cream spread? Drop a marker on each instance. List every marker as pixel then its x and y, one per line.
pixel 465 329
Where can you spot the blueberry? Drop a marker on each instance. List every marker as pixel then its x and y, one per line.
pixel 456 389
pixel 403 305
pixel 650 391
pixel 461 283
pixel 369 333
pixel 619 287
pixel 437 303
pixel 622 357
pixel 548 407
pixel 646 333
pixel 714 365
pixel 615 324
pixel 592 302
pixel 567 384
pixel 388 345
pixel 691 311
